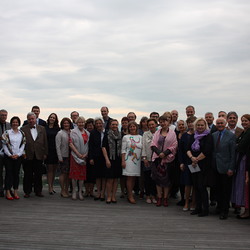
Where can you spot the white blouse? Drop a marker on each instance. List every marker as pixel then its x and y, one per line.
pixel 15 141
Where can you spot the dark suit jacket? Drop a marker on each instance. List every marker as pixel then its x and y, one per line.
pixel 224 153
pixel 37 148
pixel 40 122
pixel 213 129
pixel 95 144
pixel 238 131
pixel 6 126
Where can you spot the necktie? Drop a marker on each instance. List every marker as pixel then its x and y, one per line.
pixel 218 140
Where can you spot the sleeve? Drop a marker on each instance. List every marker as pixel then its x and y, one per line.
pixel 21 150
pixel 6 150
pixel 144 154
pixel 91 146
pixel 207 145
pixel 105 141
pixel 124 145
pixel 58 146
pixel 232 147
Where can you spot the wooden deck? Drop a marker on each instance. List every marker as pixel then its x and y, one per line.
pixel 53 222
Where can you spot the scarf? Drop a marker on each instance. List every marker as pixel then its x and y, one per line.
pixel 115 143
pixel 197 137
pixel 6 140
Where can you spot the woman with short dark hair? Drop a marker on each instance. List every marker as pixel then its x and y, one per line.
pixel 111 148
pixel 13 144
pixel 63 152
pixel 164 146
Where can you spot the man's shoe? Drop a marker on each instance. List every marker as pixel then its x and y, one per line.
pixel 39 195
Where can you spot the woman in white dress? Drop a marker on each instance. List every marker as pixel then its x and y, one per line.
pixel 131 157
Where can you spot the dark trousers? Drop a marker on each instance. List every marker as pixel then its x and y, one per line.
pixel 201 193
pixel 12 170
pixel 223 191
pixel 32 175
pixel 150 187
pixel 1 172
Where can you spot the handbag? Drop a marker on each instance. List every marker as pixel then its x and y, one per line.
pixel 44 168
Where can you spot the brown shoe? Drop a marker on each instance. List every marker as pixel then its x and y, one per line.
pixel 131 200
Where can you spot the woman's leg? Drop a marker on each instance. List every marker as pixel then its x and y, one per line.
pixel 80 190
pixel 98 186
pixel 51 176
pixel 114 189
pixel 130 186
pixel 187 195
pixel 103 187
pixel 74 182
pixel 165 195
pixel 159 195
pixel 109 184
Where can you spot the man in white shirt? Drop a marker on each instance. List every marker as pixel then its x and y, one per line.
pixel 36 152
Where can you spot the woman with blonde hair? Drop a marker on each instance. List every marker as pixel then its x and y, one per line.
pixel 200 153
pixel 79 138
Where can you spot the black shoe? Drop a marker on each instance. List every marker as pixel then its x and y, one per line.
pixel 203 214
pixel 196 211
pixel 180 203
pixel 223 216
pixel 242 218
pixel 237 210
pixel 212 203
pixel 102 199
pixel 51 193
pixel 1 193
pixel 39 195
pixel 96 198
pixel 108 202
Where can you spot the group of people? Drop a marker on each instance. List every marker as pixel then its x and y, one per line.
pixel 158 157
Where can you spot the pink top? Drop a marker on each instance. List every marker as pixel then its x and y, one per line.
pixel 169 143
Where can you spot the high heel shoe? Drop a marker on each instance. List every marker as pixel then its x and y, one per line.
pixel 16 197
pixel 165 202
pixel 158 203
pixel 10 198
pixel 131 200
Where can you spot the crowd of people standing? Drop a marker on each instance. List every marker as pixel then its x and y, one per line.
pixel 208 163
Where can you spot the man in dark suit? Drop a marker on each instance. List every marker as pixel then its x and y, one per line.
pixel 209 117
pixel 224 163
pixel 36 149
pixel 106 118
pixel 36 110
pixel 3 126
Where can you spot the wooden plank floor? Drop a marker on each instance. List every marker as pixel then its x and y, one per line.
pixel 53 222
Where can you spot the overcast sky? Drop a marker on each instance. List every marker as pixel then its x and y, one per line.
pixel 141 56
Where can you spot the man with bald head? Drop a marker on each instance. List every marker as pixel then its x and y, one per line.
pixel 175 115
pixel 224 165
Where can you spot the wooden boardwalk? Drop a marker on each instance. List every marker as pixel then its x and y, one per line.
pixel 53 222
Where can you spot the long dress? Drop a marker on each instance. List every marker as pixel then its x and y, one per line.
pixel 240 190
pixel 132 148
